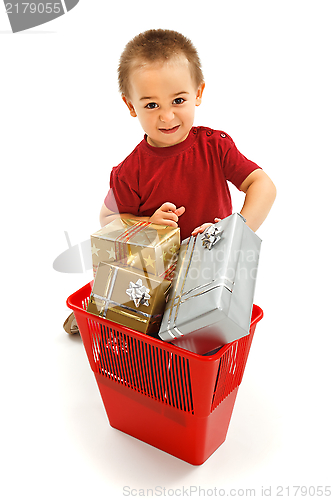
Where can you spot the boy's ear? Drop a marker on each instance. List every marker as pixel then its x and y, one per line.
pixel 200 90
pixel 129 105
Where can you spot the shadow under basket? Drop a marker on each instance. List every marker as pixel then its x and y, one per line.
pixel 172 399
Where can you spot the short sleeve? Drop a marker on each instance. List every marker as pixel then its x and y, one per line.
pixel 236 166
pixel 122 196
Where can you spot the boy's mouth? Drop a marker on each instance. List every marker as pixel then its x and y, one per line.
pixel 169 130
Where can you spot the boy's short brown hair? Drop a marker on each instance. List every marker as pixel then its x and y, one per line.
pixel 155 46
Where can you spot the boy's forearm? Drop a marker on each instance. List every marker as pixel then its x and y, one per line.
pixel 106 219
pixel 260 196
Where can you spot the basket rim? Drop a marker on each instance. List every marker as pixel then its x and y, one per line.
pixel 84 293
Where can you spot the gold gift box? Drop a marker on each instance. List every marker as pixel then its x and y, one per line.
pixel 141 245
pixel 129 297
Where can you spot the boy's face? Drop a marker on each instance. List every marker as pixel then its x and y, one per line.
pixel 163 96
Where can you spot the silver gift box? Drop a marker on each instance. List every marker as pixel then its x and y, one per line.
pixel 211 300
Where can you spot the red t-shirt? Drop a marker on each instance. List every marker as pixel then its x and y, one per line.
pixel 193 174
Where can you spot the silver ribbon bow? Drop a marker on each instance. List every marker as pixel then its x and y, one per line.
pixel 138 293
pixel 211 236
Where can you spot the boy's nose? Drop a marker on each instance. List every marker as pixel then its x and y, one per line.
pixel 167 116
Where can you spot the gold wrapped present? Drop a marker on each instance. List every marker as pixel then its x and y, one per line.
pixel 129 297
pixel 141 245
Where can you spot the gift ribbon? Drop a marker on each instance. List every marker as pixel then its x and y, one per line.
pixel 211 236
pixel 125 237
pixel 138 293
pixel 132 231
pixel 168 274
pixel 176 303
pixel 108 301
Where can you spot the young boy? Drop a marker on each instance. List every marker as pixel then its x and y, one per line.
pixel 178 174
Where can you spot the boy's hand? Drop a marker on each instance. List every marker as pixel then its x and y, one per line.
pixel 203 227
pixel 167 215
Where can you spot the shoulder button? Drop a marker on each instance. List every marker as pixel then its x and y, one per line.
pixel 223 135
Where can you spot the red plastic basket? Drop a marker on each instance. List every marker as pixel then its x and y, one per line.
pixel 175 400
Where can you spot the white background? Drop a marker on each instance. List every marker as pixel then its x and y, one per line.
pixel 268 71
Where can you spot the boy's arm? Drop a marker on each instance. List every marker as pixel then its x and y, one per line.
pixel 166 215
pixel 260 193
pixel 107 216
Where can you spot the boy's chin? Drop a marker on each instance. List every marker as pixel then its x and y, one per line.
pixel 166 139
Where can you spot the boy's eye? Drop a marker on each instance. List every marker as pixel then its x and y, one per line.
pixel 179 100
pixel 151 105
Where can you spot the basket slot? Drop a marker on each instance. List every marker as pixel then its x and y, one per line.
pixel 142 367
pixel 129 372
pixel 85 303
pixel 185 386
pixel 178 386
pixel 162 360
pixel 135 356
pixel 94 329
pixel 106 360
pixel 231 369
pixel 157 372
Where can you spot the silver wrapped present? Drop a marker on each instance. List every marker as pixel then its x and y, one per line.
pixel 211 300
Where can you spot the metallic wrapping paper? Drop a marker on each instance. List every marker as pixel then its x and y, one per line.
pixel 140 245
pixel 211 299
pixel 129 297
